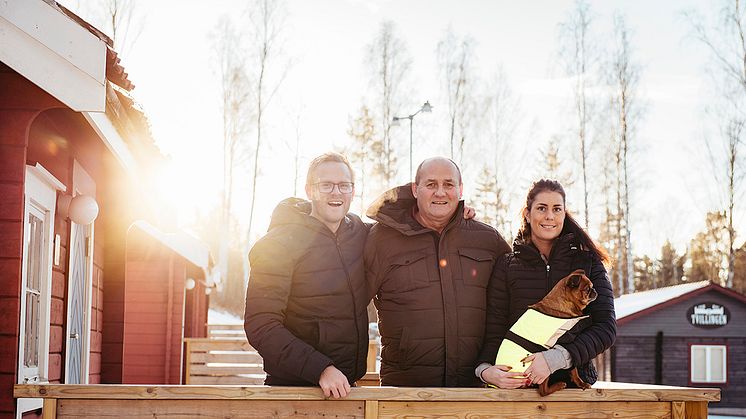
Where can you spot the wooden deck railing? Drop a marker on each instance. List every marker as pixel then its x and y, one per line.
pixel 225 331
pixel 226 357
pixel 604 400
pixel 222 361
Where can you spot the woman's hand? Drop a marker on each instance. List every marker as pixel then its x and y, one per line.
pixel 500 376
pixel 538 371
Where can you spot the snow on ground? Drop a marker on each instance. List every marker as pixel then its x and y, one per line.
pixel 216 316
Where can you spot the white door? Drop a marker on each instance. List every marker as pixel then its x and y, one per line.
pixel 79 277
pixel 36 280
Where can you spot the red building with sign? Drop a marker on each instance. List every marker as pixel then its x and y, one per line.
pixel 684 335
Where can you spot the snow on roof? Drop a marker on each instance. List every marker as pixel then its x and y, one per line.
pixel 628 304
pixel 188 247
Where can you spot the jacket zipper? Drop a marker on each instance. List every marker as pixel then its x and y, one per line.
pixel 354 305
pixel 546 282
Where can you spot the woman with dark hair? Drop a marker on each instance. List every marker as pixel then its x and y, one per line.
pixel 550 245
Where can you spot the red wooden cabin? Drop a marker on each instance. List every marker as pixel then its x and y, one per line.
pixel 83 302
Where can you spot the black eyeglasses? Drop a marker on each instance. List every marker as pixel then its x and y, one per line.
pixel 328 187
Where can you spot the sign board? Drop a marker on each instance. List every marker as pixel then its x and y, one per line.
pixel 708 315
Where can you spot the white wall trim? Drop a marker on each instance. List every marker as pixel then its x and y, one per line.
pixel 47 177
pixel 54 52
pixel 113 141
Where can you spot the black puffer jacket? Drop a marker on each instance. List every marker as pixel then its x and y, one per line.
pixel 524 278
pixel 431 293
pixel 306 299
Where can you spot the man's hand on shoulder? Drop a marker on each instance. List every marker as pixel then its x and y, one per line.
pixel 334 383
pixel 469 212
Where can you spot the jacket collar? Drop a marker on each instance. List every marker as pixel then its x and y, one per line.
pixel 394 208
pixel 297 211
pixel 563 245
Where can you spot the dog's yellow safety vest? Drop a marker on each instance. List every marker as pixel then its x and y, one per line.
pixel 533 332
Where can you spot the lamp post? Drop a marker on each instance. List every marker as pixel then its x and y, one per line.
pixel 426 107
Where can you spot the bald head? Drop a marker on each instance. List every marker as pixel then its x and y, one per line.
pixel 423 167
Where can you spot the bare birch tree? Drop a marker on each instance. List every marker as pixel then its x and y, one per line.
pixel 725 39
pixel 501 117
pixel 267 71
pixel 455 59
pixel 581 60
pixel 389 63
pixel 237 115
pixel 366 145
pixel 124 23
pixel 625 77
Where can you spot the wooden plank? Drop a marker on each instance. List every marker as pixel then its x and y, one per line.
pixel 677 410
pixel 231 357
pixel 221 345
pixel 247 379
pixel 125 391
pixel 695 410
pixel 185 409
pixel 199 369
pixel 370 379
pixel 372 356
pixel 371 409
pixel 517 410
pixel 211 327
pixel 49 409
pixel 187 362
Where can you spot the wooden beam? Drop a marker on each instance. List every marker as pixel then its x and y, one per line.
pixel 609 392
pixel 49 409
pixel 677 410
pixel 464 410
pixel 188 361
pixel 204 409
pixel 371 409
pixel 695 410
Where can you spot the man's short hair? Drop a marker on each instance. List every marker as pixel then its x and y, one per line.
pixel 419 169
pixel 325 158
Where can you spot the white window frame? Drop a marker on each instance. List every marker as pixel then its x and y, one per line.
pixel 708 363
pixel 40 195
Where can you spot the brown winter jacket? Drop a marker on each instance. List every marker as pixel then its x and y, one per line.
pixel 306 299
pixel 430 291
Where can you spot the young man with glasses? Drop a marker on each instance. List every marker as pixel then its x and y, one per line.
pixel 306 303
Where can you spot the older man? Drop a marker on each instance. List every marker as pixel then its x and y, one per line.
pixel 429 269
pixel 306 300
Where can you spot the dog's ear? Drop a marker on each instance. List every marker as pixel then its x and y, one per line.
pixel 574 281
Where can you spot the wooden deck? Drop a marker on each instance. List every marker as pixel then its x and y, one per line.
pixel 604 400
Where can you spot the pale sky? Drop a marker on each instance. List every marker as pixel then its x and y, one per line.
pixel 172 66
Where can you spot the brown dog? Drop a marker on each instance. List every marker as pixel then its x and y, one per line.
pixel 567 299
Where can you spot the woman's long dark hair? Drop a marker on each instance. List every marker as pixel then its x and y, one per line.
pixel 570 225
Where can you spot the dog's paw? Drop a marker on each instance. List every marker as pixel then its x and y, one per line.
pixel 585 386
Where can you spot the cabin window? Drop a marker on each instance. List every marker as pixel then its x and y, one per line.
pixel 36 279
pixel 708 363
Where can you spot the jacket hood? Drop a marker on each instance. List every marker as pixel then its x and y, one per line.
pixel 394 209
pixel 290 211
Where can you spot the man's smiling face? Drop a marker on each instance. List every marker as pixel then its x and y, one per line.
pixel 438 192
pixel 330 207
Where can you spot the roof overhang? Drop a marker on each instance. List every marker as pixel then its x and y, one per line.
pixel 103 126
pixel 190 248
pixel 54 52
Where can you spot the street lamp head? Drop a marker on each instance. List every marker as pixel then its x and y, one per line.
pixel 427 107
pixel 395 122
